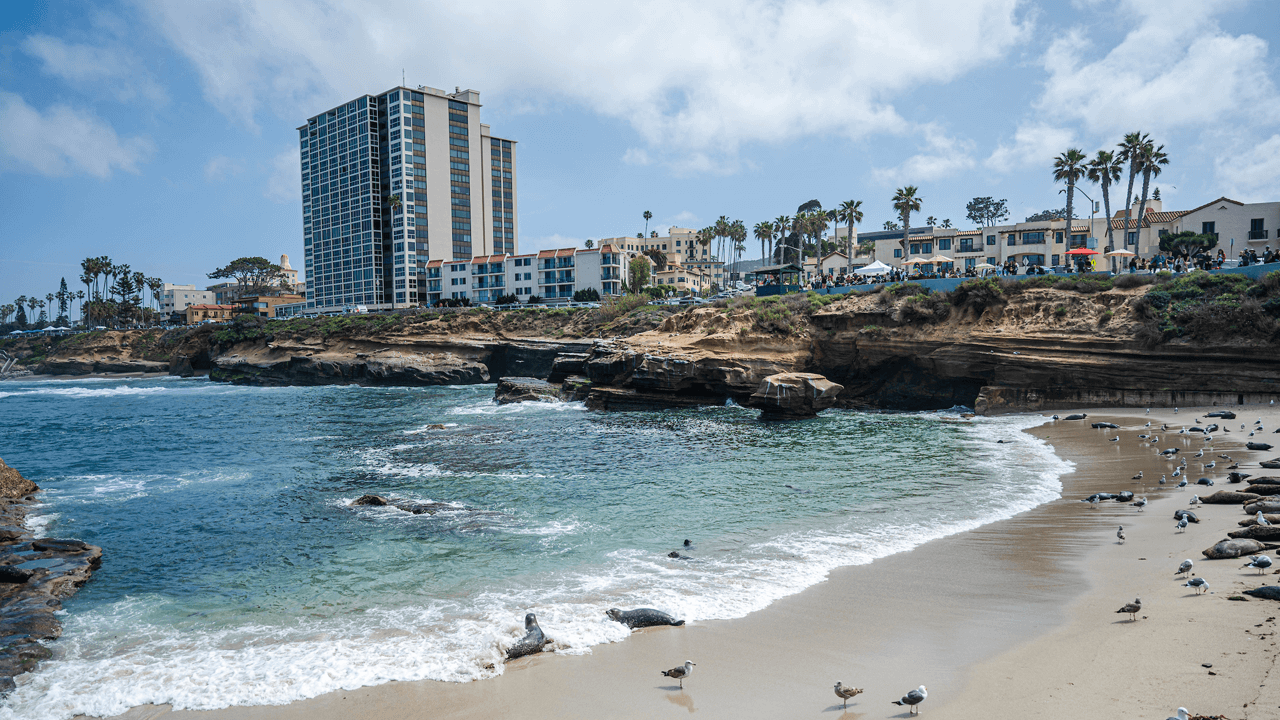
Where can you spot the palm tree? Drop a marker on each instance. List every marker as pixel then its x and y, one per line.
pixel 817 229
pixel 80 297
pixel 1153 160
pixel 905 201
pixel 931 221
pixel 1069 168
pixel 851 213
pixel 1130 152
pixel 763 232
pixel 722 226
pixel 156 286
pixel 739 230
pixel 34 302
pixel 781 225
pixel 1104 169
pixel 706 235
pixel 21 300
pixel 647 217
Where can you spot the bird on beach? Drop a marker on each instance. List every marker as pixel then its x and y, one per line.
pixel 1164 426
pixel 1120 534
pixel 1163 480
pixel 1178 471
pixel 1148 411
pixel 1148 424
pixel 680 672
pixel 1182 715
pixel 1199 584
pixel 1195 500
pixel 1140 503
pixel 1185 567
pixel 1175 411
pixel 1132 608
pixel 1241 426
pixel 1259 563
pixel 1093 501
pixel 1181 483
pixel 1115 439
pixel 844 693
pixel 1261 519
pixel 1200 454
pixel 1182 525
pixel 1209 466
pixel 1138 476
pixel 912 699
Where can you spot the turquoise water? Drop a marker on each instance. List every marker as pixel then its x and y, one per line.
pixel 236 572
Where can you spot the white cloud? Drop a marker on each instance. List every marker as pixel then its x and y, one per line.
pixel 944 156
pixel 1177 68
pixel 285 181
pixel 1034 144
pixel 221 167
pixel 64 141
pixel 636 156
pixel 1252 175
pixel 695 81
pixel 112 68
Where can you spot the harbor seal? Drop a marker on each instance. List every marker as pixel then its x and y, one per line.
pixel 642 617
pixel 532 642
pixel 1267 592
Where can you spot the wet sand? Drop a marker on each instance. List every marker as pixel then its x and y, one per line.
pixel 1014 619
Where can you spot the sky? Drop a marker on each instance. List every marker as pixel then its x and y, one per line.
pixel 162 134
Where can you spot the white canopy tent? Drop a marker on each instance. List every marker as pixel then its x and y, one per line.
pixel 875 268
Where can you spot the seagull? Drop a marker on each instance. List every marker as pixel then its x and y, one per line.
pixel 1258 421
pixel 1115 439
pixel 1211 465
pixel 1195 500
pixel 1185 567
pixel 1200 454
pixel 680 672
pixel 1148 424
pixel 1143 437
pixel 1175 411
pixel 1132 608
pixel 1120 534
pixel 1260 562
pixel 844 693
pixel 1198 583
pixel 1138 476
pixel 1164 427
pixel 1261 519
pixel 1163 480
pixel 1182 712
pixel 1198 421
pixel 1093 502
pixel 1149 409
pixel 1241 426
pixel 1140 503
pixel 1182 525
pixel 1181 483
pixel 1183 431
pixel 913 698
pixel 1178 471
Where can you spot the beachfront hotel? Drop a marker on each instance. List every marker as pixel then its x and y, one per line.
pixel 1238 226
pixel 393 181
pixel 690 265
pixel 549 274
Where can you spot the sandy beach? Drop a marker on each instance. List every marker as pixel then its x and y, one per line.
pixel 1014 619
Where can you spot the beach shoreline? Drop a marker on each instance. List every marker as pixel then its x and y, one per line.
pixel 978 617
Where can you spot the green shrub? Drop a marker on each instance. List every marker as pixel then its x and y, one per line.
pixel 587 295
pixel 978 294
pixel 1060 311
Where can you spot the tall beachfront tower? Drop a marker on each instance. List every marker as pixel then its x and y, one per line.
pixel 391 181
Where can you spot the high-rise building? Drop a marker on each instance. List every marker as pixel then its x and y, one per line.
pixel 391 181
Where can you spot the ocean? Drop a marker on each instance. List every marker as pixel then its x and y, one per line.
pixel 235 571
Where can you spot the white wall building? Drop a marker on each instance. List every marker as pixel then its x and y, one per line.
pixel 549 274
pixel 176 298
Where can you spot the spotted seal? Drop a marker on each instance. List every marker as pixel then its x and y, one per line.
pixel 642 617
pixel 532 641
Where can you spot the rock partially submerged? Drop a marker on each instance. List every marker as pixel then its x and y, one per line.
pixel 13 486
pixel 1229 497
pixel 793 396
pixel 519 389
pixel 417 508
pixel 1234 548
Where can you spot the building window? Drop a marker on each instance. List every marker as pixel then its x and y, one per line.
pixel 1132 238
pixel 944 243
pixel 1257 229
pixel 1057 238
pixel 1055 260
pixel 897 252
pixel 1209 229
pixel 991 239
pixel 915 248
pixel 1010 240
pixel 926 248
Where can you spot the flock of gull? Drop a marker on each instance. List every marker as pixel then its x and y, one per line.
pixel 1199 585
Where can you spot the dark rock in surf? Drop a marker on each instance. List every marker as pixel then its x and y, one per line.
pixel 373 500
pixel 1266 592
pixel 642 617
pixel 523 389
pixel 532 642
pixel 10 574
pixel 1234 548
pixel 793 396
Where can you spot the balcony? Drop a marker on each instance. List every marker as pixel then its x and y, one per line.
pixel 1258 234
pixel 968 247
pixel 488 282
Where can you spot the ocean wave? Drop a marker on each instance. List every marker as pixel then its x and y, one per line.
pixel 81 392
pixel 489 407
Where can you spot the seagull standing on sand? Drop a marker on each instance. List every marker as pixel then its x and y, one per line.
pixel 1163 480
pixel 1115 439
pixel 912 699
pixel 1200 454
pixel 1120 534
pixel 844 693
pixel 1182 712
pixel 1182 525
pixel 1140 503
pixel 680 672
pixel 1185 567
pixel 1210 466
pixel 1132 608
pixel 1195 500
pixel 1178 471
pixel 1198 583
pixel 1260 562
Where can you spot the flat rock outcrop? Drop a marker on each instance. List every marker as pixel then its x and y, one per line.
pixel 514 390
pixel 792 396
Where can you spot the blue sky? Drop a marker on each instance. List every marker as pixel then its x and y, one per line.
pixel 162 134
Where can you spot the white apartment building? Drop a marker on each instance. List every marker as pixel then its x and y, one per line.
pixel 683 251
pixel 176 298
pixel 549 274
pixel 1238 226
pixel 394 180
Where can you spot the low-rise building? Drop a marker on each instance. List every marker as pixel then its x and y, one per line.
pixel 549 274
pixel 215 313
pixel 176 298
pixel 264 305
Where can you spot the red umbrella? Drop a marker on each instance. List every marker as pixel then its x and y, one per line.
pixel 1082 251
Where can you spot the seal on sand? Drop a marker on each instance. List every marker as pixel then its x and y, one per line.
pixel 532 641
pixel 642 617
